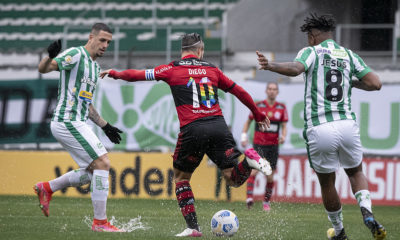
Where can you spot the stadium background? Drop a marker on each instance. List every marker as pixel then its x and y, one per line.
pixel 146 33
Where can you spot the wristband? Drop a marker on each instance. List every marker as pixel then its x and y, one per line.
pixel 243 137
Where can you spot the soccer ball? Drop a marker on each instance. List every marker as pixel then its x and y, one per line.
pixel 224 223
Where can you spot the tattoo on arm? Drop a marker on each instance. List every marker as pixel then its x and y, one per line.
pixel 95 117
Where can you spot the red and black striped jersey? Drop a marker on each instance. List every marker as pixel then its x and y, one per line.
pixel 194 86
pixel 277 114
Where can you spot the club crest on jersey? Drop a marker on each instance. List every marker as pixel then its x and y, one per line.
pixel 86 96
pixel 68 59
pixel 277 115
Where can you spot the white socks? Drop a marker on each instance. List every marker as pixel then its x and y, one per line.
pixel 364 199
pixel 74 178
pixel 99 190
pixel 336 219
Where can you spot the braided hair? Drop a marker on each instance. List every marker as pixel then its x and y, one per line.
pixel 324 23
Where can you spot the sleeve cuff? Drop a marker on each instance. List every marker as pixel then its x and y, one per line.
pixel 302 62
pixel 363 73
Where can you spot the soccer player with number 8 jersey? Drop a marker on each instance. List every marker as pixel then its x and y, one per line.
pixel 194 86
pixel 331 132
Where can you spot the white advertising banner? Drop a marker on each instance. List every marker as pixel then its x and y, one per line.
pixel 146 113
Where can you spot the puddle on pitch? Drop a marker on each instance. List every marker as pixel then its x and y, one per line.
pixel 129 226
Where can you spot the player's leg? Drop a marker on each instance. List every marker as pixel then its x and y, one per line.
pixel 74 178
pixel 331 201
pixel 269 186
pixel 99 194
pixel 250 189
pixel 218 183
pixel 185 197
pixel 187 156
pixel 271 153
pixel 351 160
pixel 322 144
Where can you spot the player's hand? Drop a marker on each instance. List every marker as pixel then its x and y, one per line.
pixel 263 125
pixel 54 48
pixel 262 120
pixel 262 60
pixel 282 139
pixel 105 73
pixel 112 133
pixel 244 143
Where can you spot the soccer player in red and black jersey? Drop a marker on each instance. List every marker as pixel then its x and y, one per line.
pixel 267 143
pixel 194 86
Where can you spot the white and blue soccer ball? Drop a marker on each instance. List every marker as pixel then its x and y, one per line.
pixel 224 223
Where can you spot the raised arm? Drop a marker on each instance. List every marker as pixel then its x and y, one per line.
pixel 246 99
pixel 285 68
pixel 48 64
pixel 130 75
pixel 370 82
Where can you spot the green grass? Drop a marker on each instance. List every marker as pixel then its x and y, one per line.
pixel 20 218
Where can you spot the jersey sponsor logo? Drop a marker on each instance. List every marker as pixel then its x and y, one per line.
pixel 86 96
pixel 334 63
pixel 88 80
pixel 204 111
pixel 339 53
pixel 323 51
pixel 273 127
pixel 161 70
pixel 193 62
pixel 197 71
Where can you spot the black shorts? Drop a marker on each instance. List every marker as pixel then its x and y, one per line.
pixel 209 136
pixel 269 152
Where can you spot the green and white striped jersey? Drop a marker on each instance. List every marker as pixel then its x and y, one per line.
pixel 329 69
pixel 78 79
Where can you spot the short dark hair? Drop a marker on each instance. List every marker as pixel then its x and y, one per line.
pixel 97 27
pixel 324 23
pixel 191 42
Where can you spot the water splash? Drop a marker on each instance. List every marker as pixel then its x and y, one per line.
pixel 130 226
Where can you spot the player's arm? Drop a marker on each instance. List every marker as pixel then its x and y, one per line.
pixel 48 64
pixel 246 99
pixel 286 68
pixel 282 138
pixel 243 138
pixel 130 75
pixel 112 132
pixel 370 82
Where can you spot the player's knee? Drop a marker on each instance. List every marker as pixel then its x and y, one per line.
pixel 102 163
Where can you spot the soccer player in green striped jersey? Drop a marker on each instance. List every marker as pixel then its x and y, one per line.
pixel 331 132
pixel 79 73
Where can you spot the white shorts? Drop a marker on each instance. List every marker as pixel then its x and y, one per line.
pixel 79 140
pixel 334 144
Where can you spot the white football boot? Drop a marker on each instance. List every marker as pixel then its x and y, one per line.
pixel 188 232
pixel 256 162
